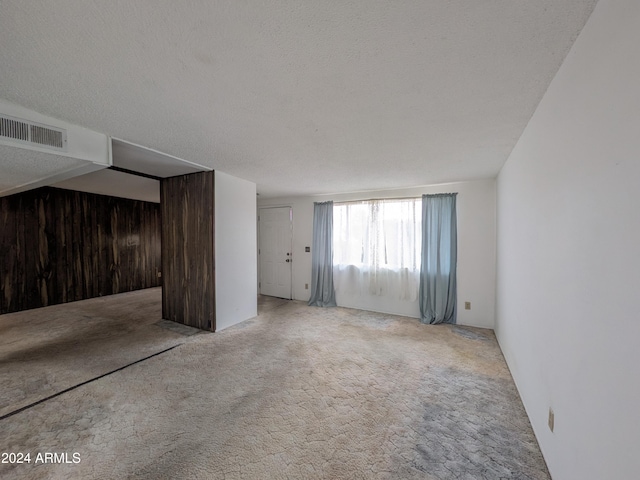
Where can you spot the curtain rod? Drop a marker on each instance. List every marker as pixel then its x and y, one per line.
pixel 419 197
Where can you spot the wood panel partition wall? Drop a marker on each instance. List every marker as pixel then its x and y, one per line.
pixel 59 246
pixel 188 263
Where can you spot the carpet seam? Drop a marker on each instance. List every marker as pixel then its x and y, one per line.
pixel 66 390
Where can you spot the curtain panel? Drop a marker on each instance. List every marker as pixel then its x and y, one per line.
pixel 377 248
pixel 439 259
pixel 322 291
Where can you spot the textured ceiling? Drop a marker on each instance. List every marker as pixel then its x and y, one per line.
pixel 301 97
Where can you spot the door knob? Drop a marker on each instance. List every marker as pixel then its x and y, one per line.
pixel 287 260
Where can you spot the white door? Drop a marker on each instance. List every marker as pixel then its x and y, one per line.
pixel 275 251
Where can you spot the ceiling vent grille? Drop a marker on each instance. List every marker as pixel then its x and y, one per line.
pixel 31 133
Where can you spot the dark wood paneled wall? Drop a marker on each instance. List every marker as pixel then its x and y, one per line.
pixel 188 264
pixel 58 246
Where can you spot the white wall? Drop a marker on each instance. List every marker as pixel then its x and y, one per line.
pixel 568 274
pixel 476 249
pixel 236 250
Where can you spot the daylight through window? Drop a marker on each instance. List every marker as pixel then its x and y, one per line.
pixel 377 246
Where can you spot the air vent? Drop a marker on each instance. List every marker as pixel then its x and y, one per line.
pixel 31 133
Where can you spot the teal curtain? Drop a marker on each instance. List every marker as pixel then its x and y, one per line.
pixel 439 259
pixel 323 293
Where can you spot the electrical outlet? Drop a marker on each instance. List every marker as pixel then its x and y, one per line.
pixel 467 305
pixel 551 419
pixel 306 286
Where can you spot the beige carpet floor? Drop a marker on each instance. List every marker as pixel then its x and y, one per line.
pixel 46 350
pixel 297 392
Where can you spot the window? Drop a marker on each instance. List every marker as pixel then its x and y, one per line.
pixel 377 247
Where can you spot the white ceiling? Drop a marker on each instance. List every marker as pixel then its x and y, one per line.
pixel 137 160
pixel 301 97
pixel 150 162
pixel 116 184
pixel 20 167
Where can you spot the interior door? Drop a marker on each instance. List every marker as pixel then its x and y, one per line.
pixel 275 251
